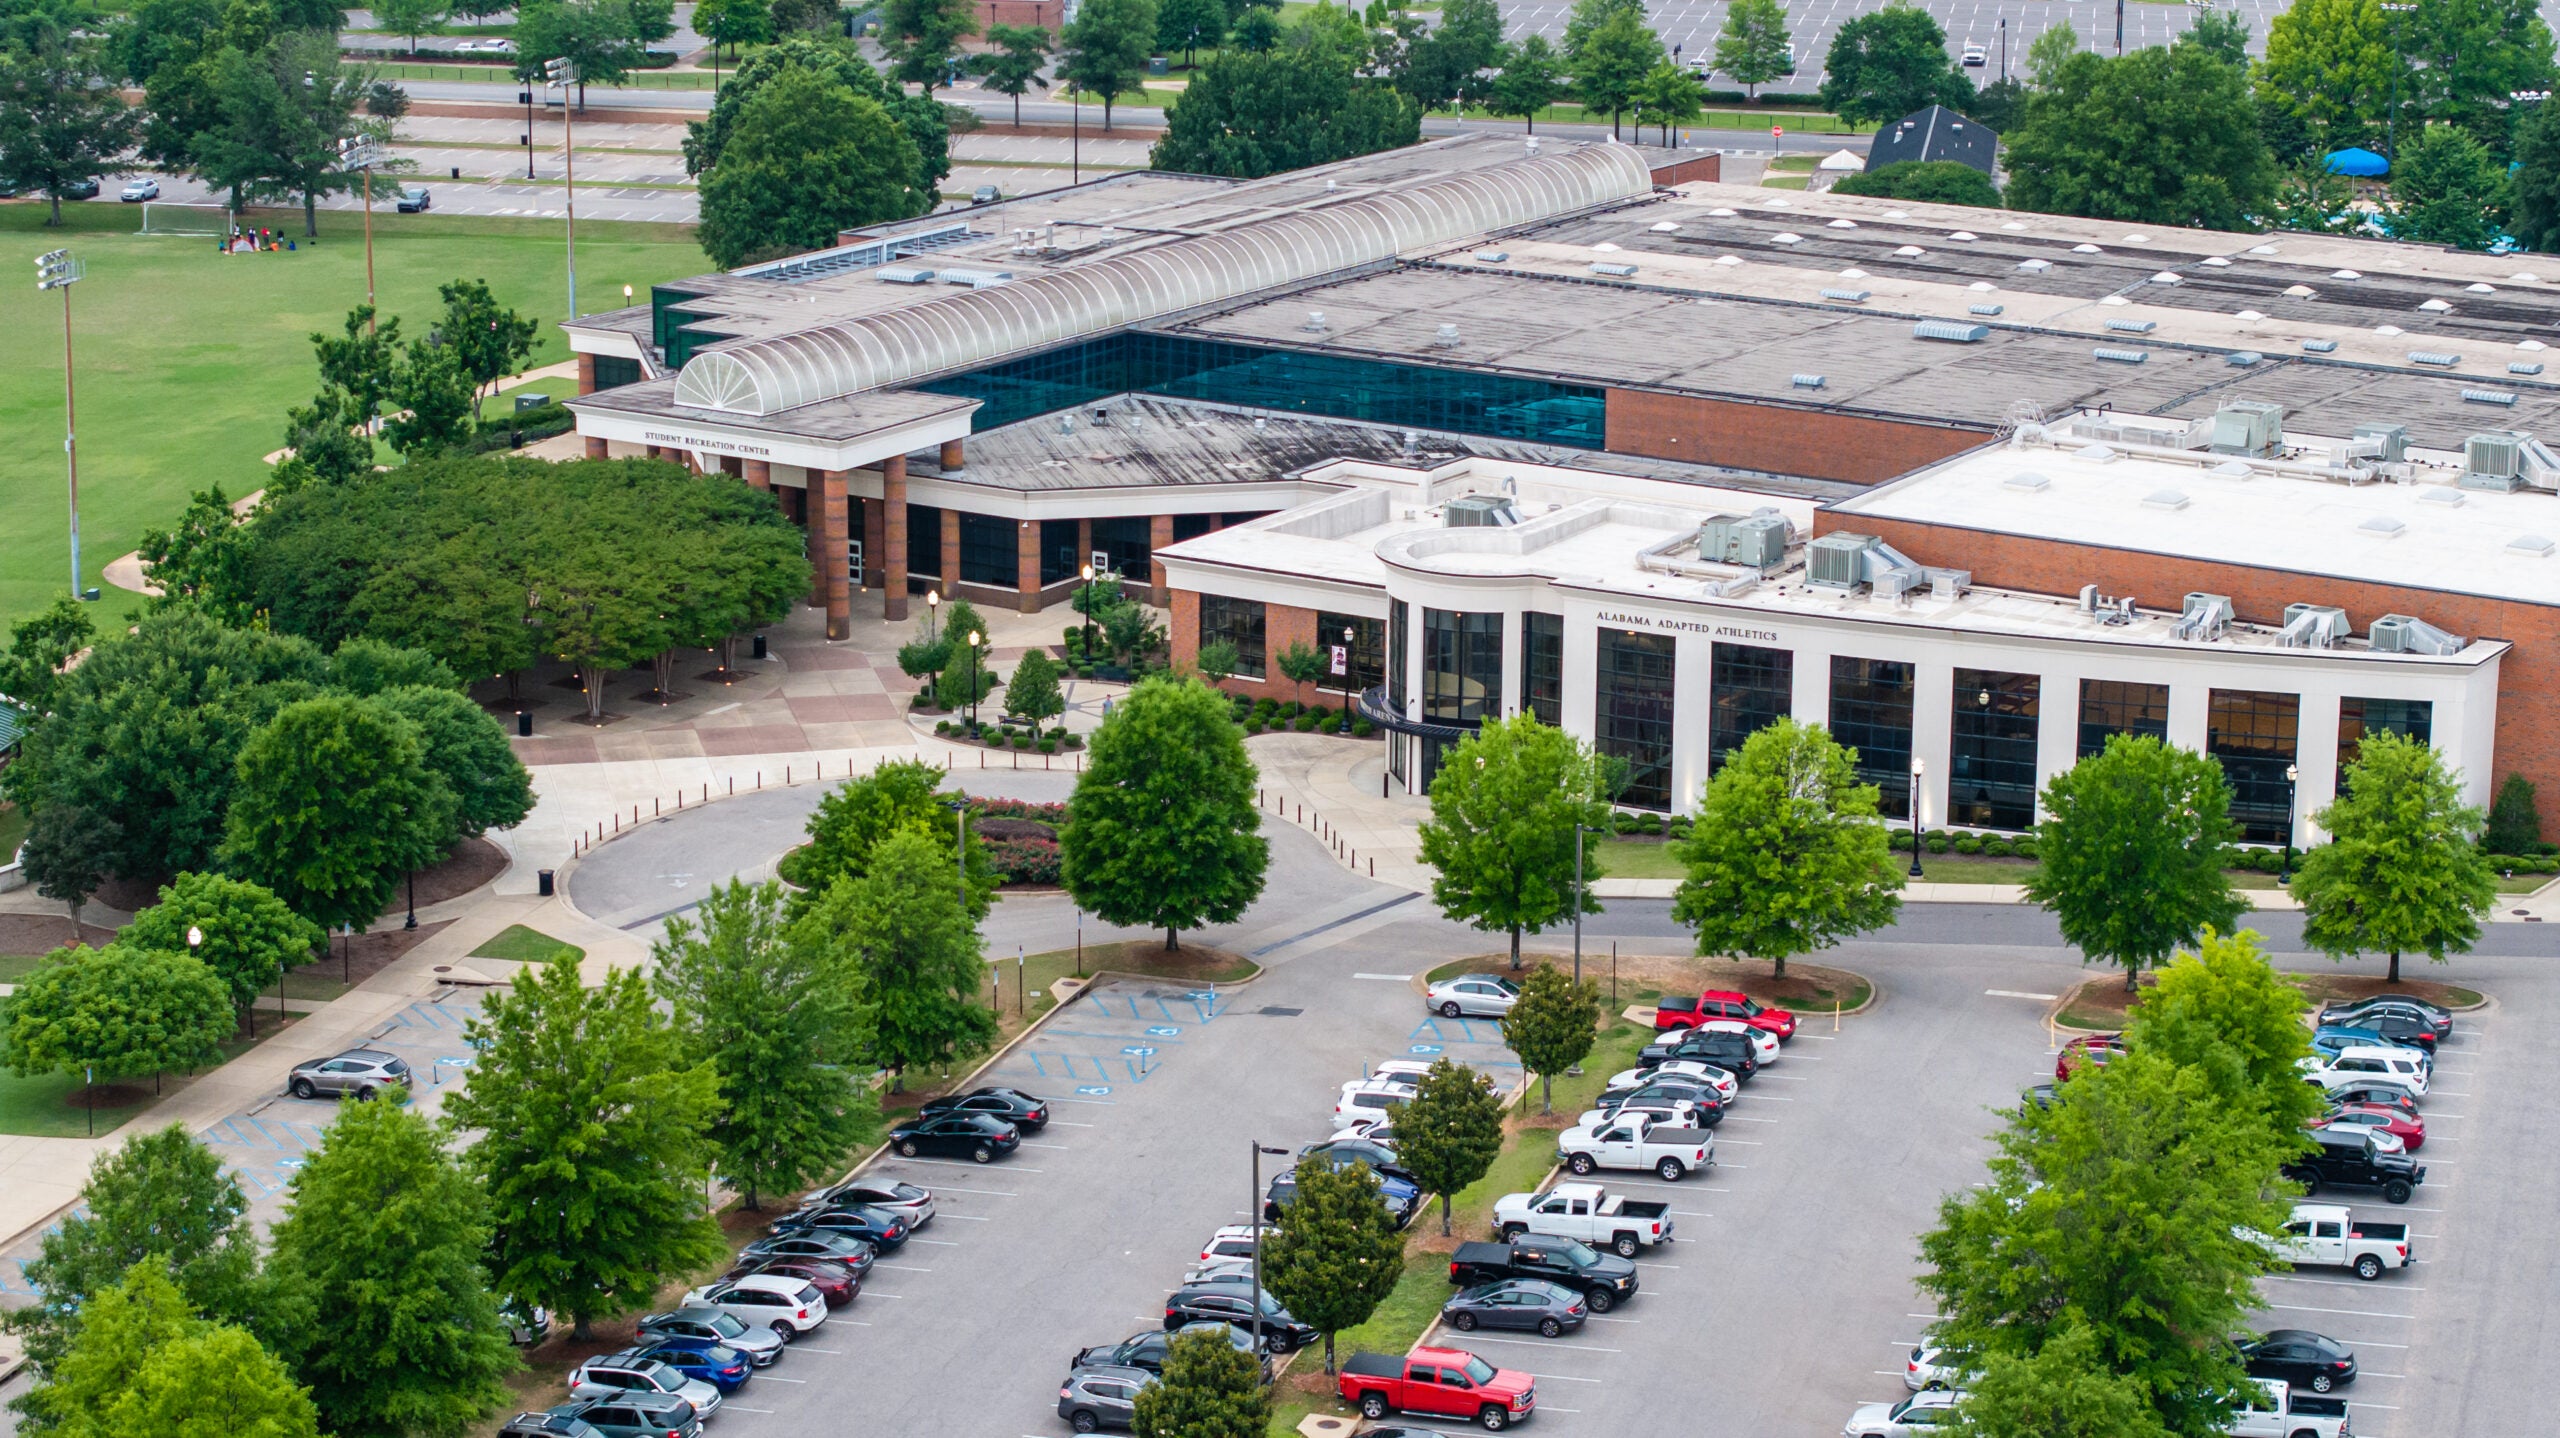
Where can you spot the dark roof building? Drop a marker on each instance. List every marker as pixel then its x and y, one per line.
pixel 1936 133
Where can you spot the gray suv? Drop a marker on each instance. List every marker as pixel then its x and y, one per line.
pixel 1097 1398
pixel 362 1072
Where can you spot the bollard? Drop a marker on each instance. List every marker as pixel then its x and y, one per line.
pixel 1373 868
pixel 759 780
pixel 617 821
pixel 654 809
pixel 786 774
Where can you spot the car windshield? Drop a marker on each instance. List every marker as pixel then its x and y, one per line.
pixel 1751 1008
pixel 1579 1253
pixel 1478 1371
pixel 726 1325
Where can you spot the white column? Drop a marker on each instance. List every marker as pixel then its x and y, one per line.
pixel 1932 730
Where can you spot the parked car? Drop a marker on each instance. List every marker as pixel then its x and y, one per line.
pixel 1225 1303
pixel 838 1280
pixel 2301 1358
pixel 788 1306
pixel 877 1226
pixel 2387 1026
pixel 635 1415
pixel 1449 1382
pixel 985 195
pixel 2336 1038
pixel 2359 1011
pixel 80 190
pixel 1637 1143
pixel 361 1072
pixel 1342 1152
pixel 1373 1127
pixel 1701 1111
pixel 1218 1270
pixel 2367 1064
pixel 1368 1096
pixel 1402 1196
pixel 2384 1141
pixel 976 1136
pixel 1587 1212
pixel 1923 1412
pixel 548 1425
pixel 2348 1158
pixel 2410 1129
pixel 1603 1279
pixel 526 1323
pixel 415 200
pixel 1723 1004
pixel 914 1201
pixel 1764 1045
pixel 712 1328
pixel 1529 1304
pixel 1975 57
pixel 1233 1241
pixel 2324 1235
pixel 136 191
pixel 1092 1399
pixel 841 1248
pixel 1928 1368
pixel 631 1371
pixel 2275 1410
pixel 1012 1105
pixel 2090 1050
pixel 1408 1072
pixel 2375 1095
pixel 1730 1052
pixel 1146 1351
pixel 1488 996
pixel 2040 1095
pixel 1714 1078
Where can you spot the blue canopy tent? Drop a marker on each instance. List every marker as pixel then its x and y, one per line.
pixel 2359 164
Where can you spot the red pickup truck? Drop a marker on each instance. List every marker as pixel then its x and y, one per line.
pixel 1723 1004
pixel 1448 1382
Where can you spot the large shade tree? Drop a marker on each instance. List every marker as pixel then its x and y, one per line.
pixel 1787 856
pixel 2167 137
pixel 2402 872
pixel 2140 817
pixel 1163 831
pixel 1504 810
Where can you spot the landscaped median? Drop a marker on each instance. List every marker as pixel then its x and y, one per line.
pixel 2101 1005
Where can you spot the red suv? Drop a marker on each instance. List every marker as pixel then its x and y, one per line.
pixel 2091 1049
pixel 1724 1004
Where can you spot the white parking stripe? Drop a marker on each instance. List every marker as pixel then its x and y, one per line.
pixel 989 1192
pixel 1538 1343
pixel 2350 1312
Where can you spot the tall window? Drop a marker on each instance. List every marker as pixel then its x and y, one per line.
pixel 1634 712
pixel 1991 768
pixel 613 372
pixel 1126 542
pixel 990 551
pixel 1367 646
pixel 2255 736
pixel 1399 642
pixel 1750 688
pixel 1542 666
pixel 1239 622
pixel 1192 526
pixel 1059 561
pixel 2411 718
pixel 924 540
pixel 1461 667
pixel 2109 708
pixel 1871 713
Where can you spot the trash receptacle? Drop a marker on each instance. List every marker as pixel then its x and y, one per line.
pixel 524 723
pixel 545 880
pixel 760 645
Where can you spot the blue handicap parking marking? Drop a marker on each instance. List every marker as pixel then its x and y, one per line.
pixel 289 1163
pixel 451 1062
pixel 1162 1031
pixel 1423 1049
pixel 1094 1090
pixel 1138 1051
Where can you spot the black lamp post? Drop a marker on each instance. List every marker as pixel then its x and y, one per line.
pixel 973 641
pixel 1253 1211
pixel 1919 767
pixel 2292 776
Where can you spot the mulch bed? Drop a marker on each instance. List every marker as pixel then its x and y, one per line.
pixel 44 933
pixel 472 863
pixel 370 953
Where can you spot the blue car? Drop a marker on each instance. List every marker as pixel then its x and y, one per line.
pixel 2333 1037
pixel 723 1368
pixel 878 1226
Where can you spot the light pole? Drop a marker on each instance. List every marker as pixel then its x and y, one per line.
pixel 56 270
pixel 359 153
pixel 932 607
pixel 1350 646
pixel 1253 1212
pixel 1919 767
pixel 960 841
pixel 973 641
pixel 2004 47
pixel 2292 776
pixel 2391 117
pixel 560 75
pixel 526 95
pixel 1084 601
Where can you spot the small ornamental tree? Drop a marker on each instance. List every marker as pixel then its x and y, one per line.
pixel 1449 1131
pixel 904 929
pixel 2402 871
pixel 2224 1011
pixel 1163 831
pixel 1209 1389
pixel 38 648
pixel 1033 690
pixel 2515 821
pixel 249 936
pixel 1336 1253
pixel 852 821
pixel 68 851
pixel 1501 833
pixel 1552 1027
pixel 1217 660
pixel 119 1011
pixel 1787 856
pixel 2141 817
pixel 1301 664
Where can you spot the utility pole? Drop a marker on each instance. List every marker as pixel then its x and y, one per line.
pixel 359 153
pixel 1253 1214
pixel 2391 117
pixel 56 270
pixel 560 74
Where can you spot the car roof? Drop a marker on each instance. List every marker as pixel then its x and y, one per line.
pixel 1120 1371
pixel 770 1283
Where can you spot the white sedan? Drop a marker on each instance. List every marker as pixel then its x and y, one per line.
pixel 1764 1044
pixel 1921 1413
pixel 1723 1084
pixel 1477 995
pixel 138 190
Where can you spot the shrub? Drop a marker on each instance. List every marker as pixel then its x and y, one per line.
pixel 1084 671
pixel 1968 844
pixel 1074 741
pixel 1938 842
pixel 1024 861
pixel 1898 839
pixel 1995 847
pixel 919 700
pixel 1362 728
pixel 1322 713
pixel 1303 723
pixel 1253 725
pixel 1050 814
pixel 942 727
pixel 1291 710
pixel 1648 823
pixel 2024 846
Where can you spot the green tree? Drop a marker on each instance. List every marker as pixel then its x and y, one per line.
pixel 363 363
pixel 1450 1131
pixel 1103 51
pixel 160 32
pixel 920 38
pixel 370 667
pixel 1787 856
pixel 2223 1011
pixel 1531 80
pixel 1612 62
pixel 1552 1027
pixel 188 558
pixel 599 38
pixel 2515 821
pixel 1033 690
pixel 250 936
pixel 1451 65
pixel 1501 833
pixel 2159 136
pixel 336 801
pixel 382 1237
pixel 279 112
pixel 2314 200
pixel 119 1012
pixel 1163 831
pixel 1300 663
pixel 1187 25
pixel 1013 63
pixel 2446 189
pixel 412 18
pixel 2062 1390
pixel 807 158
pixel 1998 106
pixel 62 122
pixel 2537 177
pixel 1752 47
pixel 1255 32
pixel 462 746
pixel 904 928
pixel 435 399
pixel 143 1363
pixel 163 1196
pixel 1587 16
pixel 1335 1253
pixel 2469 57
pixel 779 1025
pixel 590 1137
pixel 1249 115
pixel 2049 51
pixel 2223 34
pixel 854 819
pixel 2402 871
pixel 331 440
pixel 920 115
pixel 38 648
pixel 1887 63
pixel 733 23
pixel 489 340
pixel 1933 182
pixel 1217 660
pixel 68 852
pixel 1209 1389
pixel 2141 817
pixel 1668 95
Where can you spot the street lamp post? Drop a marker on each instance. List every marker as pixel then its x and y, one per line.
pixel 1084 601
pixel 1350 647
pixel 960 841
pixel 932 607
pixel 560 75
pixel 2292 777
pixel 56 270
pixel 1919 767
pixel 359 153
pixel 973 641
pixel 1253 1213
pixel 2391 117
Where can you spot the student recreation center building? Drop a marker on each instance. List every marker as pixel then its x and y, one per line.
pixel 1502 424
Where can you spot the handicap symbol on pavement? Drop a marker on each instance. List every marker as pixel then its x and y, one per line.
pixel 1138 1051
pixel 1093 1090
pixel 1424 1049
pixel 288 1163
pixel 1200 996
pixel 1162 1031
pixel 455 1063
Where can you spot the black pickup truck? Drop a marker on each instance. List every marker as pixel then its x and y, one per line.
pixel 1603 1279
pixel 2346 1158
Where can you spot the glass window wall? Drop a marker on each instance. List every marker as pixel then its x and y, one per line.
pixel 1749 689
pixel 2109 708
pixel 1634 712
pixel 1461 667
pixel 1367 646
pixel 2413 718
pixel 2256 737
pixel 1991 764
pixel 990 551
pixel 1542 666
pixel 1871 701
pixel 1239 622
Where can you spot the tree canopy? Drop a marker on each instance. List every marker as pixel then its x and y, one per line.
pixel 1209 1389
pixel 856 816
pixel 119 1011
pixel 2141 817
pixel 806 158
pixel 2447 189
pixel 1934 182
pixel 1103 51
pixel 250 935
pixel 920 116
pixel 1551 1027
pixel 1887 63
pixel 1248 115
pixel 144 1363
pixel 2402 871
pixel 336 801
pixel 61 122
pixel 1752 47
pixel 904 930
pixel 1449 1132
pixel 2330 66
pixel 2165 137
pixel 1336 1253
pixel 1163 831
pixel 1501 832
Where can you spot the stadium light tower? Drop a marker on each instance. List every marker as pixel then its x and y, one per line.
pixel 56 270
pixel 360 153
pixel 560 74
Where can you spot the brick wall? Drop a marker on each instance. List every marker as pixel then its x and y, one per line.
pixel 1282 626
pixel 1845 447
pixel 1709 168
pixel 1049 15
pixel 2528 736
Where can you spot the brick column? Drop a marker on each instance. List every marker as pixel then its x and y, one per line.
pixel 1026 566
pixel 952 457
pixel 811 521
pixel 875 546
pixel 657 451
pixel 586 374
pixel 1159 539
pixel 596 449
pixel 757 473
pixel 1084 544
pixel 950 553
pixel 893 537
pixel 830 531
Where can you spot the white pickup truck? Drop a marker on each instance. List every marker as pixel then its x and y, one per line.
pixel 2274 1410
pixel 1584 1211
pixel 2325 1235
pixel 1636 1143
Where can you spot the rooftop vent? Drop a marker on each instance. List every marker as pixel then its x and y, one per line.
pixel 2408 634
pixel 2312 626
pixel 2242 359
pixel 1805 381
pixel 1844 224
pixel 2440 497
pixel 2137 239
pixel 2479 289
pixel 1663 227
pixel 2344 275
pixel 1962 236
pixel 2524 367
pixel 977 279
pixel 1855 297
pixel 2262 249
pixel 1949 583
pixel 2251 427
pixel 2168 277
pixel 2387 331
pixel 2247 315
pixel 2096 454
pixel 2523 277
pixel 1606 247
pixel 1728 259
pixel 1445 338
pixel 904 275
pixel 1982 287
pixel 2117 300
pixel 2134 327
pixel 2441 359
pixel 2379 442
pixel 1985 309
pixel 1962 334
pixel 2203 616
pixel 1614 271
pixel 1909 252
pixel 2382 526
pixel 2231 469
pixel 1493 257
pixel 2436 306
pixel 2530 546
pixel 2120 356
pixel 2217 262
pixel 2300 292
pixel 1722 212
pixel 2035 267
pixel 1786 237
pixel 2320 347
pixel 2168 499
pixel 1315 322
pixel 2531 346
pixel 1759 540
pixel 2085 250
pixel 2027 482
pixel 1480 511
pixel 2489 396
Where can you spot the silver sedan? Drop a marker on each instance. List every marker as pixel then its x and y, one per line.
pixel 1472 995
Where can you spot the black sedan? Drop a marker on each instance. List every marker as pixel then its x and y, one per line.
pixel 1224 1303
pixel 881 1228
pixel 908 1200
pixel 2362 1011
pixel 1667 1087
pixel 2302 1358
pixel 1147 1350
pixel 982 1138
pixel 1529 1304
pixel 1024 1111
pixel 813 1243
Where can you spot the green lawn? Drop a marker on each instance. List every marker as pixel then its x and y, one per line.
pixel 524 946
pixel 42 1106
pixel 13 831
pixel 187 359
pixel 14 967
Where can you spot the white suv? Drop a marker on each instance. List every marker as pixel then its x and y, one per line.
pixel 2364 1064
pixel 789 1306
pixel 1364 1098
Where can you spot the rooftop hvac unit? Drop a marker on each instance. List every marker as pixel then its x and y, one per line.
pixel 1481 511
pixel 904 275
pixel 2381 443
pixel 977 279
pixel 2242 359
pixel 1962 334
pixel 2489 396
pixel 2408 634
pixel 1949 583
pixel 1836 561
pixel 1614 271
pixel 2524 367
pixel 2312 626
pixel 2110 427
pixel 2203 616
pixel 1493 257
pixel 2320 347
pixel 2134 327
pixel 2493 459
pixel 1759 540
pixel 1446 338
pixel 2538 466
pixel 2250 427
pixel 1985 309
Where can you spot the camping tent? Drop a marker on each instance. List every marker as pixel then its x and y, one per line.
pixel 2360 164
pixel 1849 160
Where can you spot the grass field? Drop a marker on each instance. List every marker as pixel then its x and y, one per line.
pixel 13 831
pixel 526 946
pixel 187 359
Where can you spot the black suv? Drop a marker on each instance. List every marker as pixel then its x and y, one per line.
pixel 1727 1050
pixel 2346 1158
pixel 1225 1303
